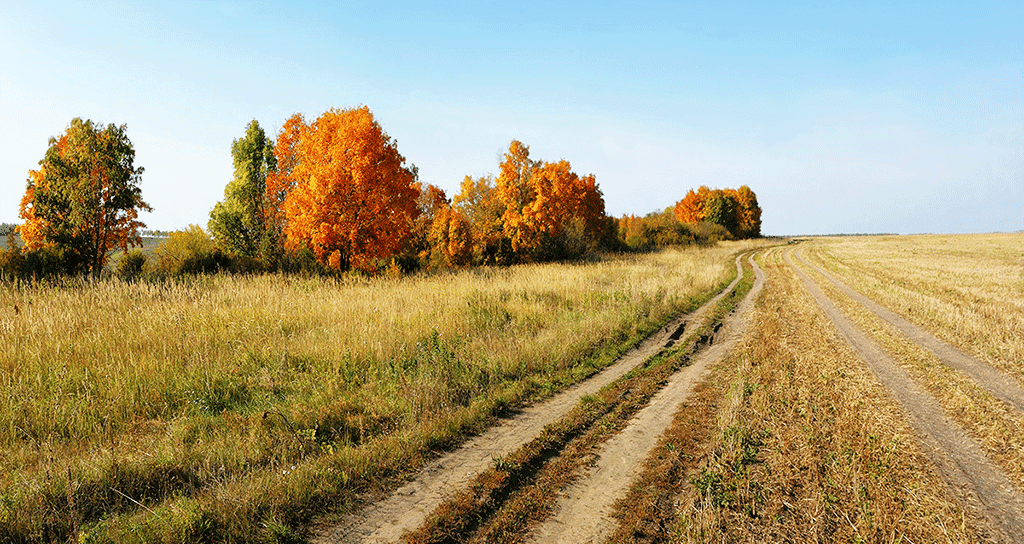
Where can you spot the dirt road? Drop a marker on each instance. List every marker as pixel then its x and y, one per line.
pixel 979 483
pixel 408 507
pixel 583 513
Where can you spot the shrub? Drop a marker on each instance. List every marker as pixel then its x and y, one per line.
pixel 189 251
pixel 132 264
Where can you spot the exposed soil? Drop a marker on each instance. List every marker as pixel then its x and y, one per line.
pixel 408 507
pixel 983 488
pixel 583 512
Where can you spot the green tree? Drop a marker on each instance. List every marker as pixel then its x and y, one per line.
pixel 721 209
pixel 84 200
pixel 239 222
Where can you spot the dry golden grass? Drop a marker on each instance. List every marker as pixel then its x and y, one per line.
pixel 791 439
pixel 241 405
pixel 966 289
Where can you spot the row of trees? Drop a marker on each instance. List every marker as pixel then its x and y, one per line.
pixel 338 189
pixel 336 192
pixel 735 209
pixel 702 217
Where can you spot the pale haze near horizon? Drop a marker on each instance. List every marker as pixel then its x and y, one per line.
pixel 869 118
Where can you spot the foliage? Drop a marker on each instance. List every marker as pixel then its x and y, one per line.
pixel 11 259
pixel 451 236
pixel 132 264
pixel 479 203
pixel 515 193
pixel 749 212
pixel 419 247
pixel 239 222
pixel 541 200
pixel 189 251
pixel 735 209
pixel 85 198
pixel 348 195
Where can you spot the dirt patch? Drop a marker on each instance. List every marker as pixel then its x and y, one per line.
pixel 584 512
pixel 982 487
pixel 408 507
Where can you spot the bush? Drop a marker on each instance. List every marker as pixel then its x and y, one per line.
pixel 189 251
pixel 49 261
pixel 11 260
pixel 708 234
pixel 132 264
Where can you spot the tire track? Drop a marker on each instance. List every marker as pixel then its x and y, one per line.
pixel 979 483
pixel 583 513
pixel 408 507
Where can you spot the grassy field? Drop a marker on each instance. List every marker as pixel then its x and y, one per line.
pixel 235 408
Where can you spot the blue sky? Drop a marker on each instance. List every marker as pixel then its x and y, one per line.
pixel 868 117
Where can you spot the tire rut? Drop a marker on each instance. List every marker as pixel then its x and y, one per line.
pixel 408 507
pixel 584 512
pixel 977 481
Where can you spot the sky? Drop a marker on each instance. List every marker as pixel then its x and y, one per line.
pixel 858 117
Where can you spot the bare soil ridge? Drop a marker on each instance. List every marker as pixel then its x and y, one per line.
pixel 1001 385
pixel 978 482
pixel 408 507
pixel 584 512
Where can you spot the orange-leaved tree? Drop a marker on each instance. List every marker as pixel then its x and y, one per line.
pixel 432 202
pixel 84 200
pixel 560 196
pixel 542 199
pixel 689 209
pixel 451 236
pixel 516 192
pixel 749 213
pixel 349 197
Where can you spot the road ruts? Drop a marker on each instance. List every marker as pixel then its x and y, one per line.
pixel 408 507
pixel 1000 384
pixel 980 484
pixel 584 512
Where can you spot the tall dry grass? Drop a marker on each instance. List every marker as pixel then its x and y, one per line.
pixel 237 407
pixel 966 289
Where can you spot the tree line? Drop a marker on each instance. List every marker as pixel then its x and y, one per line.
pixel 335 195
